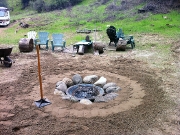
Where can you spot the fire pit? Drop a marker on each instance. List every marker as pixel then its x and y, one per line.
pixel 85 91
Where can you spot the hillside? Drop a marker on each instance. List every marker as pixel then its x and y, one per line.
pixel 97 14
pixel 155 6
pixel 145 100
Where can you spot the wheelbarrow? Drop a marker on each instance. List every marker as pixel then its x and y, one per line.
pixel 4 56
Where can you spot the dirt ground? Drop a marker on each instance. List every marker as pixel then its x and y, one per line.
pixel 148 103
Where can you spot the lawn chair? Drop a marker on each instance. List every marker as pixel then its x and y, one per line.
pixel 128 38
pixel 32 35
pixel 120 34
pixel 42 39
pixel 57 41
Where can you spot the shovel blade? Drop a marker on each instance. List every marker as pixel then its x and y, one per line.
pixel 42 102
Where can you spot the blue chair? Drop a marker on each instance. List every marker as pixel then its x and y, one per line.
pixel 42 39
pixel 128 38
pixel 58 41
pixel 120 34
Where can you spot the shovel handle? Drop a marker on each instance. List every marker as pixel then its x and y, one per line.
pixel 39 71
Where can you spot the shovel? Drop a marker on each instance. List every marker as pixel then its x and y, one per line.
pixel 42 102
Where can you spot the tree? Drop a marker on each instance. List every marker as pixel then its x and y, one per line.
pixel 39 5
pixel 24 3
pixel 3 3
pixel 50 5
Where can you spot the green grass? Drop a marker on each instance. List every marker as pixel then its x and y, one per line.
pixel 163 24
pixel 83 16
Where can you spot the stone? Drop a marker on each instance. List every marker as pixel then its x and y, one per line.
pixel 112 89
pixel 90 79
pixel 85 101
pixel 111 96
pixel 99 99
pixel 111 84
pixel 77 79
pixel 101 82
pixel 68 82
pixel 58 92
pixel 106 98
pixel 61 86
pixel 99 46
pixel 71 98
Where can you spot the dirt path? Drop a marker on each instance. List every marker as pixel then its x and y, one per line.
pixel 145 104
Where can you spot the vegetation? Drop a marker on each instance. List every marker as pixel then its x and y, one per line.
pixel 95 14
pixel 3 3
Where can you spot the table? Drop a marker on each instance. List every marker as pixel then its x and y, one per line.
pixel 82 46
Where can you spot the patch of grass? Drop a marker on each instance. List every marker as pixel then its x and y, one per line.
pixel 92 17
pixel 163 24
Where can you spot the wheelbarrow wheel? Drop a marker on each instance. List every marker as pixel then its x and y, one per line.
pixel 7 62
pixel 132 45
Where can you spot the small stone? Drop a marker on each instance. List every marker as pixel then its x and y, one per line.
pixel 85 101
pixel 58 92
pixel 111 96
pixel 112 89
pixel 70 98
pixel 99 99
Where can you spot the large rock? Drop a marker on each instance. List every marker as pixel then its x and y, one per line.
pixel 71 98
pixel 112 89
pixel 68 82
pixel 61 86
pixel 111 84
pixel 111 96
pixel 106 98
pixel 77 79
pixel 101 82
pixel 90 79
pixel 98 46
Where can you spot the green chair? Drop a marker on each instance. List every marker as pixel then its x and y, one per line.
pixel 58 41
pixel 128 38
pixel 42 39
pixel 120 34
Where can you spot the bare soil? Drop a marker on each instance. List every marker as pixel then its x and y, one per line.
pixel 147 104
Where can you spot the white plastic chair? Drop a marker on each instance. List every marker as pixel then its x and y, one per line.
pixel 32 35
